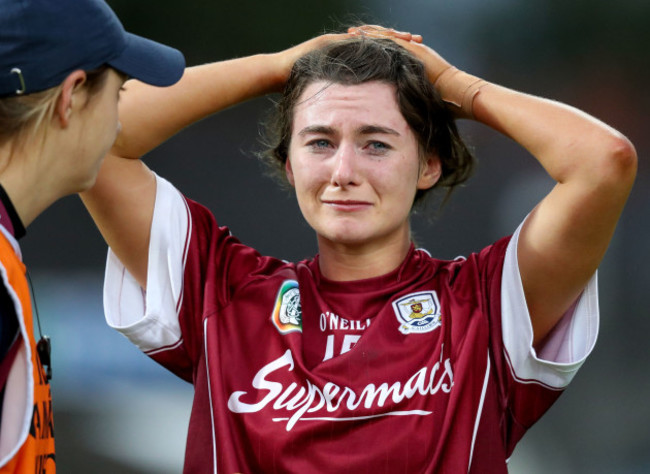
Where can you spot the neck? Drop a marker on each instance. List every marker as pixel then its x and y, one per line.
pixel 348 262
pixel 31 188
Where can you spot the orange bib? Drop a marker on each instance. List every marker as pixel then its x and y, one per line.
pixel 36 452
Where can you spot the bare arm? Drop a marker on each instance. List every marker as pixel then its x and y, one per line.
pixel 122 200
pixel 594 166
pixel 566 236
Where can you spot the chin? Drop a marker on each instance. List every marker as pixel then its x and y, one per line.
pixel 362 234
pixel 348 237
pixel 84 185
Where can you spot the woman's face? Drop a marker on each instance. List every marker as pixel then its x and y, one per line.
pixel 97 130
pixel 354 163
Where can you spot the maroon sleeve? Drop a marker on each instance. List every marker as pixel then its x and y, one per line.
pixel 216 266
pixel 521 402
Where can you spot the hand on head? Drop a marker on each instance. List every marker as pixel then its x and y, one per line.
pixel 456 87
pixel 373 31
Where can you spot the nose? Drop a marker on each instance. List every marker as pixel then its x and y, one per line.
pixel 345 172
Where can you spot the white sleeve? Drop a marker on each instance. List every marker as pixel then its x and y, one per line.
pixel 150 319
pixel 568 344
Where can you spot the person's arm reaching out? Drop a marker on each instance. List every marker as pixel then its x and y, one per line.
pixel 122 200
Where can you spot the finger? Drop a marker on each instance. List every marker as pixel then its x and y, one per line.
pixel 373 28
pixel 405 35
pixel 375 31
pixel 366 29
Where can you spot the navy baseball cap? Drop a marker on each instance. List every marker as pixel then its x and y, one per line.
pixel 42 41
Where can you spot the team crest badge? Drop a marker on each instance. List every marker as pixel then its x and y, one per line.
pixel 418 312
pixel 287 312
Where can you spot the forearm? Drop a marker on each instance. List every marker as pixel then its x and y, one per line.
pixel 150 115
pixel 568 143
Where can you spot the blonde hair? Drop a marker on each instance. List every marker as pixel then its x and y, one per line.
pixel 22 117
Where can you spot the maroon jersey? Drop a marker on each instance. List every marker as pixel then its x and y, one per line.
pixel 429 368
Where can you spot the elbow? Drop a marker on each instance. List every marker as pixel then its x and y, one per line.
pixel 622 159
pixel 616 167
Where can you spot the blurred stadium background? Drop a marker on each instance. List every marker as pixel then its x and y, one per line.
pixel 118 412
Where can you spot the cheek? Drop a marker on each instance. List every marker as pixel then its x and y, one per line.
pixel 400 178
pixel 307 174
pixel 306 188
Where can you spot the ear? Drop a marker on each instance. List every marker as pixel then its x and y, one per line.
pixel 289 172
pixel 66 100
pixel 430 172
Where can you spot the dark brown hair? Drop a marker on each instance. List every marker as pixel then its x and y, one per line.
pixel 359 60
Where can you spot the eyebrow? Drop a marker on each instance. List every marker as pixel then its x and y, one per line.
pixel 316 129
pixel 365 130
pixel 372 129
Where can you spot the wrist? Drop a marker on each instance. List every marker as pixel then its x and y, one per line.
pixel 458 90
pixel 279 67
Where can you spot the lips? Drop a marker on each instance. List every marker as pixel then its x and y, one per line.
pixel 347 205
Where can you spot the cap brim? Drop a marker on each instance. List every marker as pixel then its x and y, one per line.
pixel 149 61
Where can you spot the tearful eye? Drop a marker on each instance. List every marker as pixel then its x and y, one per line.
pixel 377 147
pixel 320 143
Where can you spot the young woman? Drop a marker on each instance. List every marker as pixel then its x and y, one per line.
pixel 58 118
pixel 372 356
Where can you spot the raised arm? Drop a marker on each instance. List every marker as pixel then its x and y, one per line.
pixel 566 235
pixel 122 200
pixel 565 238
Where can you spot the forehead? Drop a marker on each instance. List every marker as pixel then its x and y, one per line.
pixel 339 105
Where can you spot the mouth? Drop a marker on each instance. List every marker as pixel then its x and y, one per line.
pixel 347 205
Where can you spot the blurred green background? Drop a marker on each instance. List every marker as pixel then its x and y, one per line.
pixel 117 412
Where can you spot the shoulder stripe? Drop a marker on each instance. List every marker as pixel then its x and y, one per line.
pixel 479 412
pixel 186 249
pixel 207 371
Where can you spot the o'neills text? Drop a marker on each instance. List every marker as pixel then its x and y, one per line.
pixel 332 398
